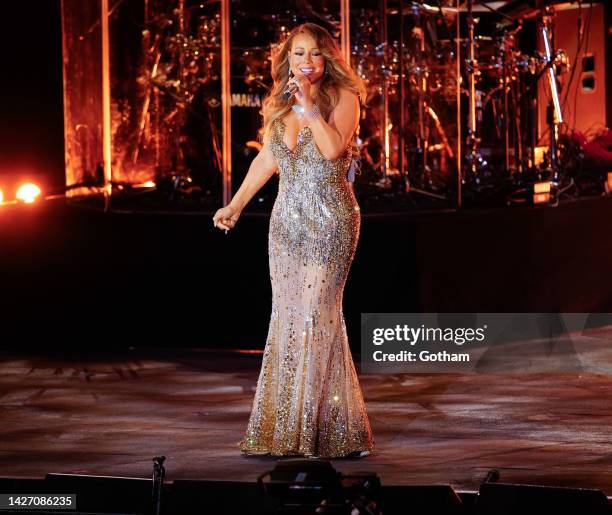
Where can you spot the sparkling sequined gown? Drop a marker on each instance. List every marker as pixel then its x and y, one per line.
pixel 308 400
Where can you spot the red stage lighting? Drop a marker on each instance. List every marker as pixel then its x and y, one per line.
pixel 28 193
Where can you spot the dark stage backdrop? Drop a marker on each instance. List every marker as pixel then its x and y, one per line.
pixel 88 280
pixel 31 108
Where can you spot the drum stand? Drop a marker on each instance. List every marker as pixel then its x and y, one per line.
pixel 419 161
pixel 475 163
pixel 385 181
pixel 508 44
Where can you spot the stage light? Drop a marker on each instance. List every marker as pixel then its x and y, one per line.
pixel 607 184
pixel 28 193
pixel 539 155
pixel 302 482
pixel 147 184
pixel 312 485
pixel 541 192
pixel 541 187
pixel 1 196
pixel 517 498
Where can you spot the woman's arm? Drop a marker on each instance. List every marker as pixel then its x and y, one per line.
pixel 332 138
pixel 262 168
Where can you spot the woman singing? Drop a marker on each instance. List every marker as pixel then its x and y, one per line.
pixel 308 401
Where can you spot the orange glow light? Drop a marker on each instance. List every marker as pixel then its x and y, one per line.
pixel 1 196
pixel 28 193
pixel 541 187
pixel 541 198
pixel 147 184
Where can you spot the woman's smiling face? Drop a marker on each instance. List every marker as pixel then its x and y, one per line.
pixel 306 58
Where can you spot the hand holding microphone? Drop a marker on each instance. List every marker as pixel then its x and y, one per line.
pixel 299 86
pixel 290 91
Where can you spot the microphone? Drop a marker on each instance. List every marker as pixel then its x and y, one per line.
pixel 291 90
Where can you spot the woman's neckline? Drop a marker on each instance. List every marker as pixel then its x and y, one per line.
pixel 282 138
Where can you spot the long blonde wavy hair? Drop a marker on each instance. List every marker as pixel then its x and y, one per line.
pixel 338 74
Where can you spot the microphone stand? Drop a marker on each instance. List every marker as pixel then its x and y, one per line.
pixel 554 115
pixel 159 474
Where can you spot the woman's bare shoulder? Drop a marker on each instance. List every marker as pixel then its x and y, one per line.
pixel 346 94
pixel 347 101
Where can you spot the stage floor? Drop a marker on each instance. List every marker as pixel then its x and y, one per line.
pixel 110 415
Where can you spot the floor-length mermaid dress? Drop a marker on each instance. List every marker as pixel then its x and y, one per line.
pixel 308 400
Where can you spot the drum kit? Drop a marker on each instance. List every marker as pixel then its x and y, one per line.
pixel 452 95
pixel 459 104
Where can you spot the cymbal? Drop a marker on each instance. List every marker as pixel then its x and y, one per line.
pixel 465 40
pixel 476 7
pixel 423 8
pixel 527 9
